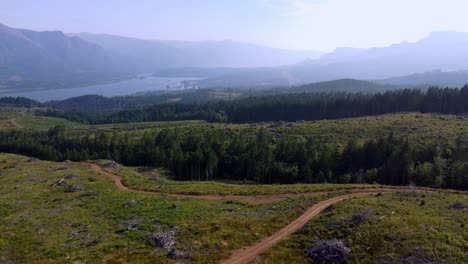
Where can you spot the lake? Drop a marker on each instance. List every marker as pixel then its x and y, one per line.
pixel 142 83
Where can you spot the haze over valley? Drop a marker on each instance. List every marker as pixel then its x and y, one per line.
pixel 53 59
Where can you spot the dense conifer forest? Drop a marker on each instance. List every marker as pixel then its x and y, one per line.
pixel 259 157
pixel 286 107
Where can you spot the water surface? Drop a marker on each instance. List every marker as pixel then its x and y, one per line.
pixel 142 83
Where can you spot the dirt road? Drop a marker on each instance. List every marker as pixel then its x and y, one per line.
pixel 260 199
pixel 248 254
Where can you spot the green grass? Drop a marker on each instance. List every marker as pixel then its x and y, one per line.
pixel 403 226
pixel 26 120
pixel 44 224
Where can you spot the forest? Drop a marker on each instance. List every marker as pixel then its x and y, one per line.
pixel 260 157
pixel 284 107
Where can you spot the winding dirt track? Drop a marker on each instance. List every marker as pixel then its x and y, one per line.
pixel 260 199
pixel 249 254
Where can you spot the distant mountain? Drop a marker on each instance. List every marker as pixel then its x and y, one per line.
pixel 30 59
pixel 432 78
pixel 229 53
pixel 137 55
pixel 159 54
pixel 445 51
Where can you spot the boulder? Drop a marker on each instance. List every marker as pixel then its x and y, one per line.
pixel 458 206
pixel 110 165
pixel 163 240
pixel 407 260
pixel 87 194
pixel 32 159
pixel 156 178
pixel 72 175
pixel 75 188
pixel 131 203
pixel 59 168
pixel 329 252
pixel 362 217
pixel 132 224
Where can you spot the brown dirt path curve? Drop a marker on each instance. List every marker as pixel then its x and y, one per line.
pixel 259 199
pixel 249 254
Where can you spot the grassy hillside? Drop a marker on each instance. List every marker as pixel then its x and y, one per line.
pixel 41 223
pixel 409 228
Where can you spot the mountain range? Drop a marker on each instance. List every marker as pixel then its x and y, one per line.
pixel 443 52
pixel 159 54
pixel 52 59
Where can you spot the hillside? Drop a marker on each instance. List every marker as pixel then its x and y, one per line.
pixel 151 55
pixel 31 59
pixel 432 78
pixel 79 212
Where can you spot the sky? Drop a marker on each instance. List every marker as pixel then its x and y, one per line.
pixel 293 24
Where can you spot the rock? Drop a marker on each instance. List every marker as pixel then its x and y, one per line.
pixel 156 178
pixel 132 224
pixel 87 194
pixel 407 260
pixel 329 252
pixel 458 206
pixel 177 254
pixel 59 168
pixel 130 203
pixel 72 175
pixel 110 165
pixel 362 217
pixel 67 161
pixel 75 188
pixel 32 159
pixel 163 240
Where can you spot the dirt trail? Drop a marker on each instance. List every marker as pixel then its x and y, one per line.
pixel 248 254
pixel 14 124
pixel 260 199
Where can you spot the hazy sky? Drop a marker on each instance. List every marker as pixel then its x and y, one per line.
pixel 296 24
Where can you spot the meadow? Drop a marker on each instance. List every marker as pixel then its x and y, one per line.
pixel 402 228
pixel 41 223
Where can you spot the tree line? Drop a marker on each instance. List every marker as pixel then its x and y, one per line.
pixel 261 156
pixel 288 107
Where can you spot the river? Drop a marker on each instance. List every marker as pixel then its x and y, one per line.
pixel 142 83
